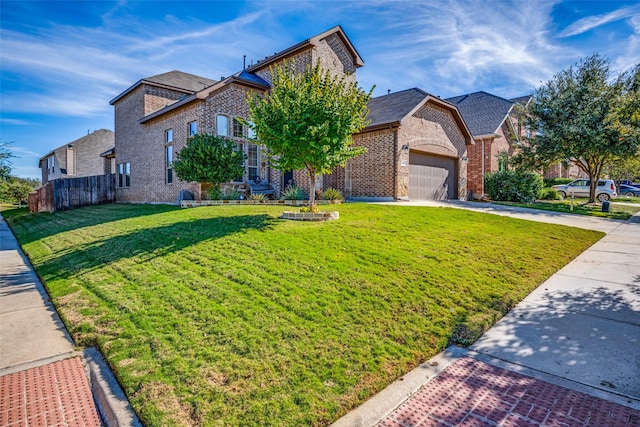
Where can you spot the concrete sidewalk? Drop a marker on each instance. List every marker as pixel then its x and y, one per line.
pixel 44 379
pixel 30 329
pixel 568 354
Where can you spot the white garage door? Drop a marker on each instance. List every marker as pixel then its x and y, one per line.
pixel 431 177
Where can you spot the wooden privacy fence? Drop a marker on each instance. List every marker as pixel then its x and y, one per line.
pixel 71 193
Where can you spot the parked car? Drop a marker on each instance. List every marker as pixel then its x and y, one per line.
pixel 605 190
pixel 629 190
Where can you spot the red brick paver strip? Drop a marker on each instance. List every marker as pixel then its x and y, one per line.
pixel 473 393
pixel 57 394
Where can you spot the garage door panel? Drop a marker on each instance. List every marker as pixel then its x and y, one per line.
pixel 431 177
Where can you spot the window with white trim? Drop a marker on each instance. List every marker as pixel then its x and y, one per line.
pixel 222 125
pixel 238 128
pixel 192 128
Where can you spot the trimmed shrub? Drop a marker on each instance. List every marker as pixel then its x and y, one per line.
pixel 231 195
pixel 293 193
pixel 513 186
pixel 214 193
pixel 550 194
pixel 332 194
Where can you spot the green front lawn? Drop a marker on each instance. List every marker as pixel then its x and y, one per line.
pixel 581 206
pixel 230 316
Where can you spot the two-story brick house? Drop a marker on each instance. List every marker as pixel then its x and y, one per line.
pixel 496 128
pixel 155 116
pixel 82 157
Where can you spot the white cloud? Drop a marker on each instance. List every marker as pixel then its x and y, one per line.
pixel 15 122
pixel 454 47
pixel 590 22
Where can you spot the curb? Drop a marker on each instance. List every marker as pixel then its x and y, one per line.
pixel 110 400
pixel 385 402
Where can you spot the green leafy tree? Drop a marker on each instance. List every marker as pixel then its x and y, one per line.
pixel 624 116
pixel 5 163
pixel 209 158
pixel 307 119
pixel 19 191
pixel 579 115
pixel 16 190
pixel 624 168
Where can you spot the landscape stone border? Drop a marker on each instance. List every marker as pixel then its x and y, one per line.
pixel 310 216
pixel 196 203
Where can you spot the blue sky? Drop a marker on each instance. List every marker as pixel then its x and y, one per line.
pixel 61 62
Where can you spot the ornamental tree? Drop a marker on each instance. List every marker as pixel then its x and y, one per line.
pixel 307 119
pixel 582 115
pixel 209 158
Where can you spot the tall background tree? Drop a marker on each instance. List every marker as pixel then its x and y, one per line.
pixel 307 119
pixel 209 159
pixel 5 163
pixel 584 115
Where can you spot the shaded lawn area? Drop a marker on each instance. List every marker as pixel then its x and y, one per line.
pixel 617 208
pixel 230 316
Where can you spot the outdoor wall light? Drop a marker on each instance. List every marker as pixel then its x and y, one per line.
pixel 464 159
pixel 405 149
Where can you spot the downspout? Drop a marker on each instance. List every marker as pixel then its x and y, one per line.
pixel 482 176
pixel 395 164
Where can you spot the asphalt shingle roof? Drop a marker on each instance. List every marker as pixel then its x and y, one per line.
pixel 252 78
pixel 181 80
pixel 521 99
pixel 394 107
pixel 482 112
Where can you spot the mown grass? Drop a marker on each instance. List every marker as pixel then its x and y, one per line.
pixel 581 206
pixel 231 316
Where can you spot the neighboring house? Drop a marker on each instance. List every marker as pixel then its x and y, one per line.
pixel 82 157
pixel 496 127
pixel 155 116
pixel 416 149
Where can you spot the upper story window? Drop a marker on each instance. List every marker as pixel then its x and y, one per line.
pixel 168 136
pixel 192 128
pixel 238 128
pixel 222 125
pixel 51 164
pixel 527 131
pixel 251 134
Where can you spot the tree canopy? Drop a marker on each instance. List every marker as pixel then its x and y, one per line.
pixel 584 115
pixel 209 158
pixel 307 119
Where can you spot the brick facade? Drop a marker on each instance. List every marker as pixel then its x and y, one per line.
pixel 144 112
pixel 383 171
pixel 492 149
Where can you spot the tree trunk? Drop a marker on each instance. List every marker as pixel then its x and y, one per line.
pixel 593 184
pixel 312 189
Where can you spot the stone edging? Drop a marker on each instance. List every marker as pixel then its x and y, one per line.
pixel 196 203
pixel 310 216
